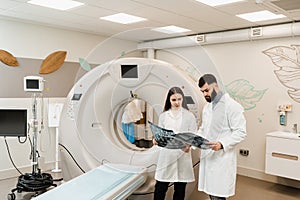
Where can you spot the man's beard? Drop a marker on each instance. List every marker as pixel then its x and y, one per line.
pixel 211 97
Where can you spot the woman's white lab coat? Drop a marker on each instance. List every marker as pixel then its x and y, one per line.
pixel 174 165
pixel 224 123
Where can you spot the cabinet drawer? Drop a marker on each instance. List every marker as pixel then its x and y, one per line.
pixel 283 165
pixel 283 155
pixel 282 145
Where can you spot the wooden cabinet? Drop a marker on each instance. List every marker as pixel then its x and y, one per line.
pixel 283 154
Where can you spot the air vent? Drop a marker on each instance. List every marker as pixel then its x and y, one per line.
pixel 200 38
pixel 256 32
pixel 287 5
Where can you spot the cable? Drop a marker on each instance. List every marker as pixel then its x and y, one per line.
pixel 22 142
pixel 197 163
pixel 47 130
pixel 151 165
pixel 72 157
pixel 34 182
pixel 131 157
pixel 102 161
pixel 31 147
pixel 7 147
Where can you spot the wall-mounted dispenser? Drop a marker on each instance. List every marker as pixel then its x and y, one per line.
pixel 283 109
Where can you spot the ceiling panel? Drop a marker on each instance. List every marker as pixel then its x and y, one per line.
pixel 178 7
pixel 116 5
pixel 197 17
pixel 92 11
pixel 238 8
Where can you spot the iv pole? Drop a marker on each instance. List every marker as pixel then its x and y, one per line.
pixel 35 181
pixel 34 136
pixel 56 169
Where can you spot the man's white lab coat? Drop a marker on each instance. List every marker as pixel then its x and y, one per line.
pixel 223 122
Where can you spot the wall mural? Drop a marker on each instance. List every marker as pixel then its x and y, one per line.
pixel 243 92
pixel 53 62
pixel 287 59
pixel 50 64
pixel 8 59
pixel 84 64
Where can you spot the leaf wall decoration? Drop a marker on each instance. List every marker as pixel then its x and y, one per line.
pixel 53 62
pixel 294 94
pixel 84 64
pixel 8 59
pixel 287 59
pixel 283 57
pixel 243 92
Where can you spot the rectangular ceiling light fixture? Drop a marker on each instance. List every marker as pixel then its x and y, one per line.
pixel 260 16
pixel 218 2
pixel 171 29
pixel 56 4
pixel 123 18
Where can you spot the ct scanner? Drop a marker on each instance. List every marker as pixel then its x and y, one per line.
pixel 90 126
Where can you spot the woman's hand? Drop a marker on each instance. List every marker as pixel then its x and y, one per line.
pixel 154 141
pixel 187 148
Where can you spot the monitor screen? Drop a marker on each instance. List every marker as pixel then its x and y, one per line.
pixel 129 71
pixel 13 122
pixel 32 84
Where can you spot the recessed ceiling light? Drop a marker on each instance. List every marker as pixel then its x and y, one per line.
pixel 171 29
pixel 56 4
pixel 123 18
pixel 218 2
pixel 260 16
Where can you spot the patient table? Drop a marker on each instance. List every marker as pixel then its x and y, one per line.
pixel 106 182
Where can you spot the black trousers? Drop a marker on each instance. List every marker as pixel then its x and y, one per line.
pixel 161 189
pixel 216 198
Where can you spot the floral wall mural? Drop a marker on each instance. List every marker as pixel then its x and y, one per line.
pixel 287 59
pixel 244 93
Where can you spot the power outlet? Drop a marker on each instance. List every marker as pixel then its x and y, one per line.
pixel 244 152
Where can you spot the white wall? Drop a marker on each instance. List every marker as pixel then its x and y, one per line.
pixel 33 41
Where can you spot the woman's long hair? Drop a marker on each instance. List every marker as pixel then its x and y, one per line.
pixel 175 90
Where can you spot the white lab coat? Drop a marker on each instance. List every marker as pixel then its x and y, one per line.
pixel 132 112
pixel 174 165
pixel 224 123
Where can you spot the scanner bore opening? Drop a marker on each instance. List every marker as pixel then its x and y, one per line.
pixel 134 132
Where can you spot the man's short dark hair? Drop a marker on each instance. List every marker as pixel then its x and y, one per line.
pixel 207 78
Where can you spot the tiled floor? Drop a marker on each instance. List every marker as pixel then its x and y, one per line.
pixel 247 189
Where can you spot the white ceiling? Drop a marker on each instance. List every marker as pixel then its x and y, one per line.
pixel 189 14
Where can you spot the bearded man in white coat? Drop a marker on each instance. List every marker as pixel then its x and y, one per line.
pixel 224 125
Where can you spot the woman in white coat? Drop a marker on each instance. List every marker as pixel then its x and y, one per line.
pixel 175 165
pixel 224 125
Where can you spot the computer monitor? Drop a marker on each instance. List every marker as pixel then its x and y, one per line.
pixel 33 84
pixel 129 71
pixel 13 122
